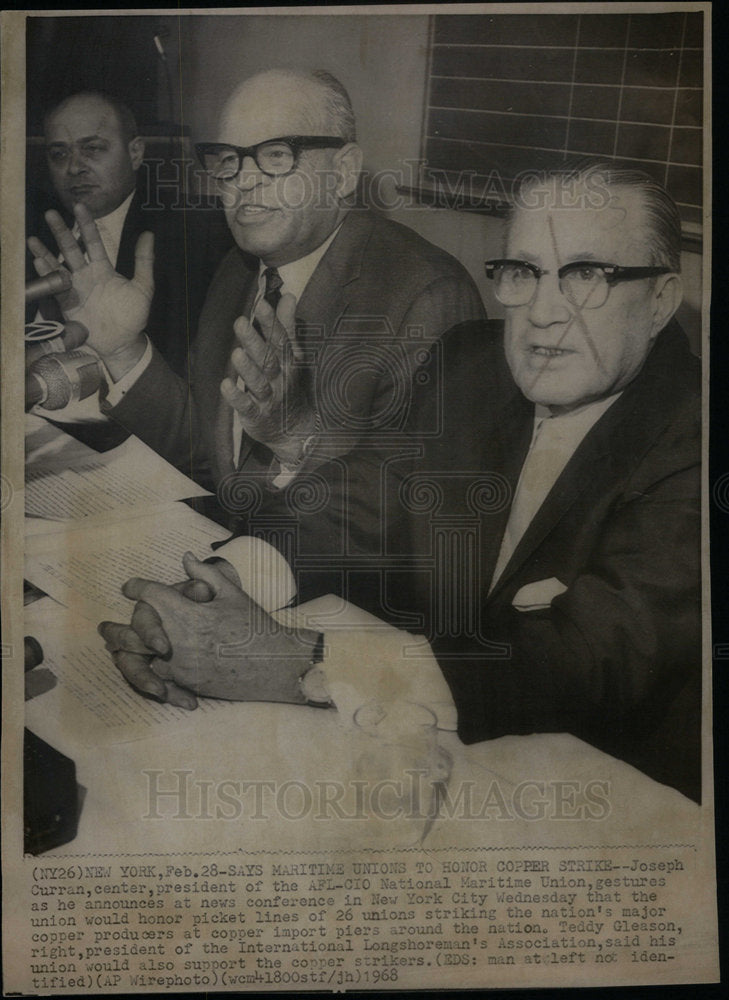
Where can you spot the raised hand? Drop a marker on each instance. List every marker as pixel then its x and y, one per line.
pixel 275 404
pixel 112 308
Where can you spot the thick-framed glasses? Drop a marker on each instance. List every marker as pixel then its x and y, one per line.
pixel 584 283
pixel 274 157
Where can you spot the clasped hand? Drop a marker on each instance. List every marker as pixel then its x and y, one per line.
pixel 272 393
pixel 113 309
pixel 205 636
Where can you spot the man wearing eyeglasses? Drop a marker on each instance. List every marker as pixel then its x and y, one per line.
pixel 594 586
pixel 313 323
pixel 549 536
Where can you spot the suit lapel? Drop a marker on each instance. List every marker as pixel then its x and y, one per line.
pixel 328 291
pixel 133 226
pixel 590 466
pixel 610 449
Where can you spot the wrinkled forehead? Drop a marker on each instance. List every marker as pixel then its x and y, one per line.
pixel 271 107
pixel 573 221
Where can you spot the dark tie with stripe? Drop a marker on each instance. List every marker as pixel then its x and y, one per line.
pixel 273 280
pixel 248 446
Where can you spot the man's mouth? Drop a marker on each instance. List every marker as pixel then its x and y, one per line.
pixel 249 211
pixel 549 352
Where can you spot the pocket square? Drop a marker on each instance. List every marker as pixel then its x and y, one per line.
pixel 538 595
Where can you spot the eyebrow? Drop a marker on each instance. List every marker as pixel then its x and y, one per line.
pixel 524 255
pixel 572 258
pixel 85 138
pixel 582 256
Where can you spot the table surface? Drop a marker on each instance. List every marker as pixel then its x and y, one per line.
pixel 262 777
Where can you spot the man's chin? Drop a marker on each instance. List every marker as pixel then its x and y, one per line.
pixel 253 240
pixel 89 202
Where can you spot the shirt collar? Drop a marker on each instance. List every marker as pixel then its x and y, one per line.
pixel 576 423
pixel 110 228
pixel 296 274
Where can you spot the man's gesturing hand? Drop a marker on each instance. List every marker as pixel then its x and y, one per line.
pixel 113 309
pixel 275 404
pixel 227 647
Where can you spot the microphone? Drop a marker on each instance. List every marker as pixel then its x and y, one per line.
pixel 52 284
pixel 47 336
pixel 54 380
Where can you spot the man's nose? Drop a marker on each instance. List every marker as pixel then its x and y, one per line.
pixel 250 174
pixel 549 304
pixel 76 162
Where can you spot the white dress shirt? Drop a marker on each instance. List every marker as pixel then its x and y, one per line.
pixel 110 229
pixel 555 439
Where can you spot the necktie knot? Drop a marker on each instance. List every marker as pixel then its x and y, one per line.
pixel 274 281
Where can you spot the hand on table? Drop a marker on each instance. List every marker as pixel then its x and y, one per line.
pixel 226 647
pixel 134 647
pixel 113 309
pixel 275 406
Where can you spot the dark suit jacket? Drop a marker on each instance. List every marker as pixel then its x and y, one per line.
pixel 616 658
pixel 189 245
pixel 378 298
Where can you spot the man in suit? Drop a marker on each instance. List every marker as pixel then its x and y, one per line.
pixel 362 298
pixel 569 471
pixel 95 156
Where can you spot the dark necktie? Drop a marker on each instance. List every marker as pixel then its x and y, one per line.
pixel 248 446
pixel 272 295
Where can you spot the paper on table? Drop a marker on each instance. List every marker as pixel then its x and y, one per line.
pixel 91 703
pixel 84 567
pixel 67 480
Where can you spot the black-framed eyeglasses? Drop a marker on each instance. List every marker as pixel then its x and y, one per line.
pixel 273 157
pixel 584 283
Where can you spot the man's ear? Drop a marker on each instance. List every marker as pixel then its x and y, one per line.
pixel 136 152
pixel 348 161
pixel 667 297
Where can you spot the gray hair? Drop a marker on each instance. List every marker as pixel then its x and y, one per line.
pixel 337 105
pixel 663 238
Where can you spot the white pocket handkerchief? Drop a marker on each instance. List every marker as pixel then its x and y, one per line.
pixel 538 595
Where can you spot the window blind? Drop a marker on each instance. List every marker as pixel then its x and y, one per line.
pixel 509 93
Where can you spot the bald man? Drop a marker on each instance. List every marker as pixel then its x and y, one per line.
pixel 315 321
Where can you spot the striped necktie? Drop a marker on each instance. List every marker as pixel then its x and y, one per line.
pixel 273 280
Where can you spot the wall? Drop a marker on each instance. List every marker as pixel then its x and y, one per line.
pixel 382 60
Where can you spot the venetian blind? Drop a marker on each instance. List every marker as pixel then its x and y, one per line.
pixel 508 93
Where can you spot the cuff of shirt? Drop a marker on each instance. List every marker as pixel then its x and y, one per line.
pixel 117 390
pixel 362 662
pixel 362 665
